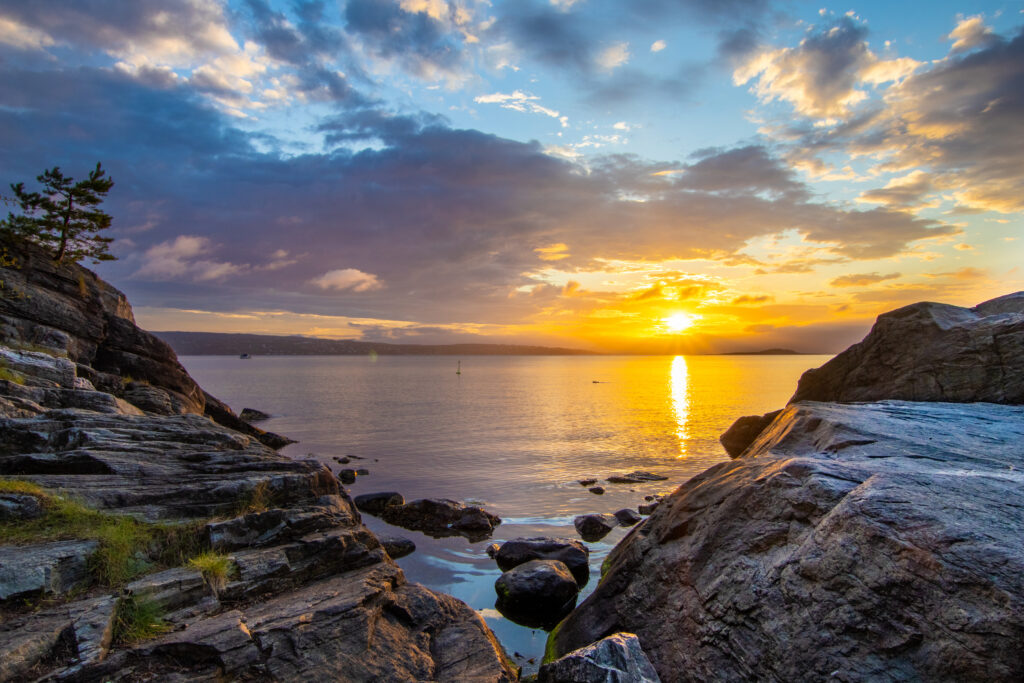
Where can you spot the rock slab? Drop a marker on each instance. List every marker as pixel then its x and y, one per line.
pixel 615 659
pixel 880 540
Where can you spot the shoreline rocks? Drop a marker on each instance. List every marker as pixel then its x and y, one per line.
pixel 595 526
pixel 442 517
pixel 876 538
pixel 572 553
pixel 306 591
pixel 536 593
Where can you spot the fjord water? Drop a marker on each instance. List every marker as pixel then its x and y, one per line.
pixel 514 433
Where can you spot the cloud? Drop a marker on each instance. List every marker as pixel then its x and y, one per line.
pixel 613 56
pixel 823 76
pixel 347 278
pixel 418 35
pixel 862 279
pixel 906 190
pixel 181 259
pixel 658 46
pixel 553 252
pixel 748 299
pixel 517 101
pixel 971 32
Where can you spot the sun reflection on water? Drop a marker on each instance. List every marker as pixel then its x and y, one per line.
pixel 680 387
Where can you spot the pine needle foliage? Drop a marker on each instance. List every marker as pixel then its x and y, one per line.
pixel 64 216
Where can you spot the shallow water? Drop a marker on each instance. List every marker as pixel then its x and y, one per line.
pixel 514 433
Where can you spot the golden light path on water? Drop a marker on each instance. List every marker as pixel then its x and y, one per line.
pixel 680 389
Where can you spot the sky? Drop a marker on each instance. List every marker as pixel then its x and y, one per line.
pixel 651 176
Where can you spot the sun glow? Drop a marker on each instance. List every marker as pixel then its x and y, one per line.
pixel 677 322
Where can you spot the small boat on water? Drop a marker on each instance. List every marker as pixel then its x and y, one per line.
pixel 245 356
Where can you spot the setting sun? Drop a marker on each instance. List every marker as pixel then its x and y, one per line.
pixel 677 322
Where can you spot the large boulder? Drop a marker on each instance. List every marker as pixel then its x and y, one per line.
pixel 572 553
pixel 879 540
pixel 615 659
pixel 930 352
pixel 743 431
pixel 537 593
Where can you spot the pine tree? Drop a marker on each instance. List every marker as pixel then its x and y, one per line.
pixel 64 216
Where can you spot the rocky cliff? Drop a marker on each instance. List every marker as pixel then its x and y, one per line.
pixel 850 541
pixel 142 540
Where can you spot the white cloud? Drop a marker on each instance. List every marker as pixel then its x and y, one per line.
pixel 23 37
pixel 178 259
pixel 522 102
pixel 658 46
pixel 614 56
pixel 347 278
pixel 970 33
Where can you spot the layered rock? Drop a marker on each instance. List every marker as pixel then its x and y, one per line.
pixel 930 352
pixel 310 594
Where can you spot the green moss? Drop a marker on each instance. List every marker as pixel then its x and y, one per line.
pixel 550 652
pixel 21 486
pixel 215 567
pixel 137 619
pixel 605 565
pixel 127 547
pixel 7 374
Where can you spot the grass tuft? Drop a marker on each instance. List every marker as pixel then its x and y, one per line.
pixel 215 567
pixel 137 619
pixel 257 499
pixel 127 547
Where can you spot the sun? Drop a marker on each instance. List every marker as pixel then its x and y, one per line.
pixel 677 322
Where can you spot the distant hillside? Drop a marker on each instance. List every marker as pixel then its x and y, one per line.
pixel 763 352
pixel 220 344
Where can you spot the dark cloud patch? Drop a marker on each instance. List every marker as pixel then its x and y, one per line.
pixel 862 279
pixel 116 25
pixel 421 42
pixel 545 33
pixel 742 170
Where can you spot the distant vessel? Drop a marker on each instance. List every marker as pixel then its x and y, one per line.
pixel 245 356
pixel 458 368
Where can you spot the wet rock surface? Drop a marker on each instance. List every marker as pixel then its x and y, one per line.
pixel 442 517
pixel 537 593
pixel 743 431
pixel 311 594
pixel 594 527
pixel 573 554
pixel 878 539
pixel 637 477
pixel 374 503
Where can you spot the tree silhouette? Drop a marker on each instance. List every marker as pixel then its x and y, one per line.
pixel 64 216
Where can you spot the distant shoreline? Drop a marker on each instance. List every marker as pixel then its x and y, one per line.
pixel 236 344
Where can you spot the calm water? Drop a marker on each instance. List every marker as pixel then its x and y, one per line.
pixel 513 433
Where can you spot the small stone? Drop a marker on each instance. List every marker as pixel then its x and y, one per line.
pixel 648 508
pixel 596 489
pixel 492 550
pixel 347 476
pixel 362 471
pixel 344 460
pixel 594 527
pixel 397 546
pixel 587 482
pixel 374 503
pixel 253 415
pixel 19 506
pixel 627 517
pixel 637 477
